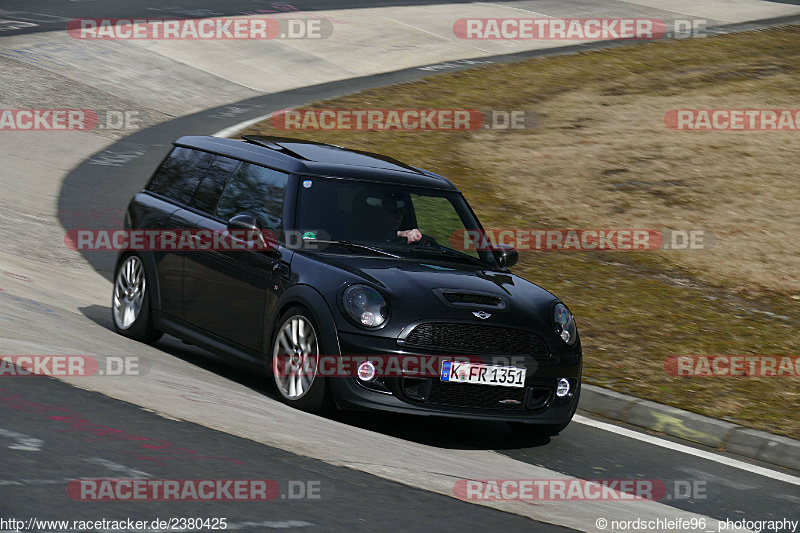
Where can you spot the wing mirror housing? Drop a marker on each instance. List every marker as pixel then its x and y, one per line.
pixel 506 255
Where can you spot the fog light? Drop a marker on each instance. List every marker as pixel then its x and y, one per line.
pixel 563 387
pixel 366 371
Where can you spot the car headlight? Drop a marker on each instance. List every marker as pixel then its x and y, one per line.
pixel 565 324
pixel 365 305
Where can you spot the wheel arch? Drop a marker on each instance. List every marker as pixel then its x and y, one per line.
pixel 310 299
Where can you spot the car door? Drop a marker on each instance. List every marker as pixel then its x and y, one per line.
pixel 175 181
pixel 227 292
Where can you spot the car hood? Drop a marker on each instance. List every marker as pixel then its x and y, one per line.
pixel 411 286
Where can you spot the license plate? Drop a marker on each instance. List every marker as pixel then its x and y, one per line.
pixel 505 376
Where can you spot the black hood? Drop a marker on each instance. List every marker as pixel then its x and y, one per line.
pixel 413 288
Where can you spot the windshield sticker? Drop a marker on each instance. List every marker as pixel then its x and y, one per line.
pixel 307 184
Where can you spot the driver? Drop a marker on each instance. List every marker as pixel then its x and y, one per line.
pixel 388 210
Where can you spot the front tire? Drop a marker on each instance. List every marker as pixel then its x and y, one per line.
pixel 130 301
pixel 295 361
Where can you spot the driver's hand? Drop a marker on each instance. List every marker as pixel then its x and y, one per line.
pixel 413 235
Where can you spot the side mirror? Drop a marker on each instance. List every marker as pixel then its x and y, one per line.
pixel 247 223
pixel 506 255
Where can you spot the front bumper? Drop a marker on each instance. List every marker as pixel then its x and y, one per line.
pixel 535 403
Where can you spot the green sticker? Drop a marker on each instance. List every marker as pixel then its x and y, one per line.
pixel 309 235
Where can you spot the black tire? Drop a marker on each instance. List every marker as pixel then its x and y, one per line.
pixel 316 397
pixel 141 329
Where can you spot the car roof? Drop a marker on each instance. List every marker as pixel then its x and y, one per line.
pixel 299 156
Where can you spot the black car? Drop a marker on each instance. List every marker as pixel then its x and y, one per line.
pixel 361 270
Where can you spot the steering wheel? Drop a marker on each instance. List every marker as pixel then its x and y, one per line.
pixel 427 242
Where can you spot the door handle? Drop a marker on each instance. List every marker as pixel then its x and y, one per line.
pixel 280 268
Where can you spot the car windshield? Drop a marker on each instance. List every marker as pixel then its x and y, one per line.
pixel 372 214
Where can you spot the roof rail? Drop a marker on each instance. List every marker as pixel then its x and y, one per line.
pixel 269 142
pixel 278 144
pixel 386 159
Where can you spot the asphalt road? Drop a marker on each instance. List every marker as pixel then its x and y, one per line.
pixel 118 440
pixel 52 434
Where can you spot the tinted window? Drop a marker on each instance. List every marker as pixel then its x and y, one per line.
pixel 257 191
pixel 350 210
pixel 437 218
pixel 373 213
pixel 180 174
pixel 208 192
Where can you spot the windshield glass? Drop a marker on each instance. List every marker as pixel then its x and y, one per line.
pixel 375 214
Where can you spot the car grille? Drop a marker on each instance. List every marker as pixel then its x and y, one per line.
pixel 472 299
pixel 469 338
pixel 476 396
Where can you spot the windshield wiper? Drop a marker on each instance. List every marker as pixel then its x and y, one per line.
pixel 359 246
pixel 454 254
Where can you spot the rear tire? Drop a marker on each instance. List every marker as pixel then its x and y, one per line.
pixel 295 361
pixel 130 301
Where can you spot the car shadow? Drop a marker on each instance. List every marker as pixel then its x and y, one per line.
pixel 99 314
pixel 440 432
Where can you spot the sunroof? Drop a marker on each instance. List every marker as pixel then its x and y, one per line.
pixel 338 156
pixel 328 153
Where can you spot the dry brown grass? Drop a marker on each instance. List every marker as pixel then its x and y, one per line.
pixel 609 162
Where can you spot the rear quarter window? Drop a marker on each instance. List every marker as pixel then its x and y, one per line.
pixel 180 174
pixel 208 192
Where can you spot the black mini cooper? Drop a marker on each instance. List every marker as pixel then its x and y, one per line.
pixel 364 297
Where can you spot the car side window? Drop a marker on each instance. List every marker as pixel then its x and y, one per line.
pixel 210 189
pixel 255 190
pixel 180 174
pixel 437 218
